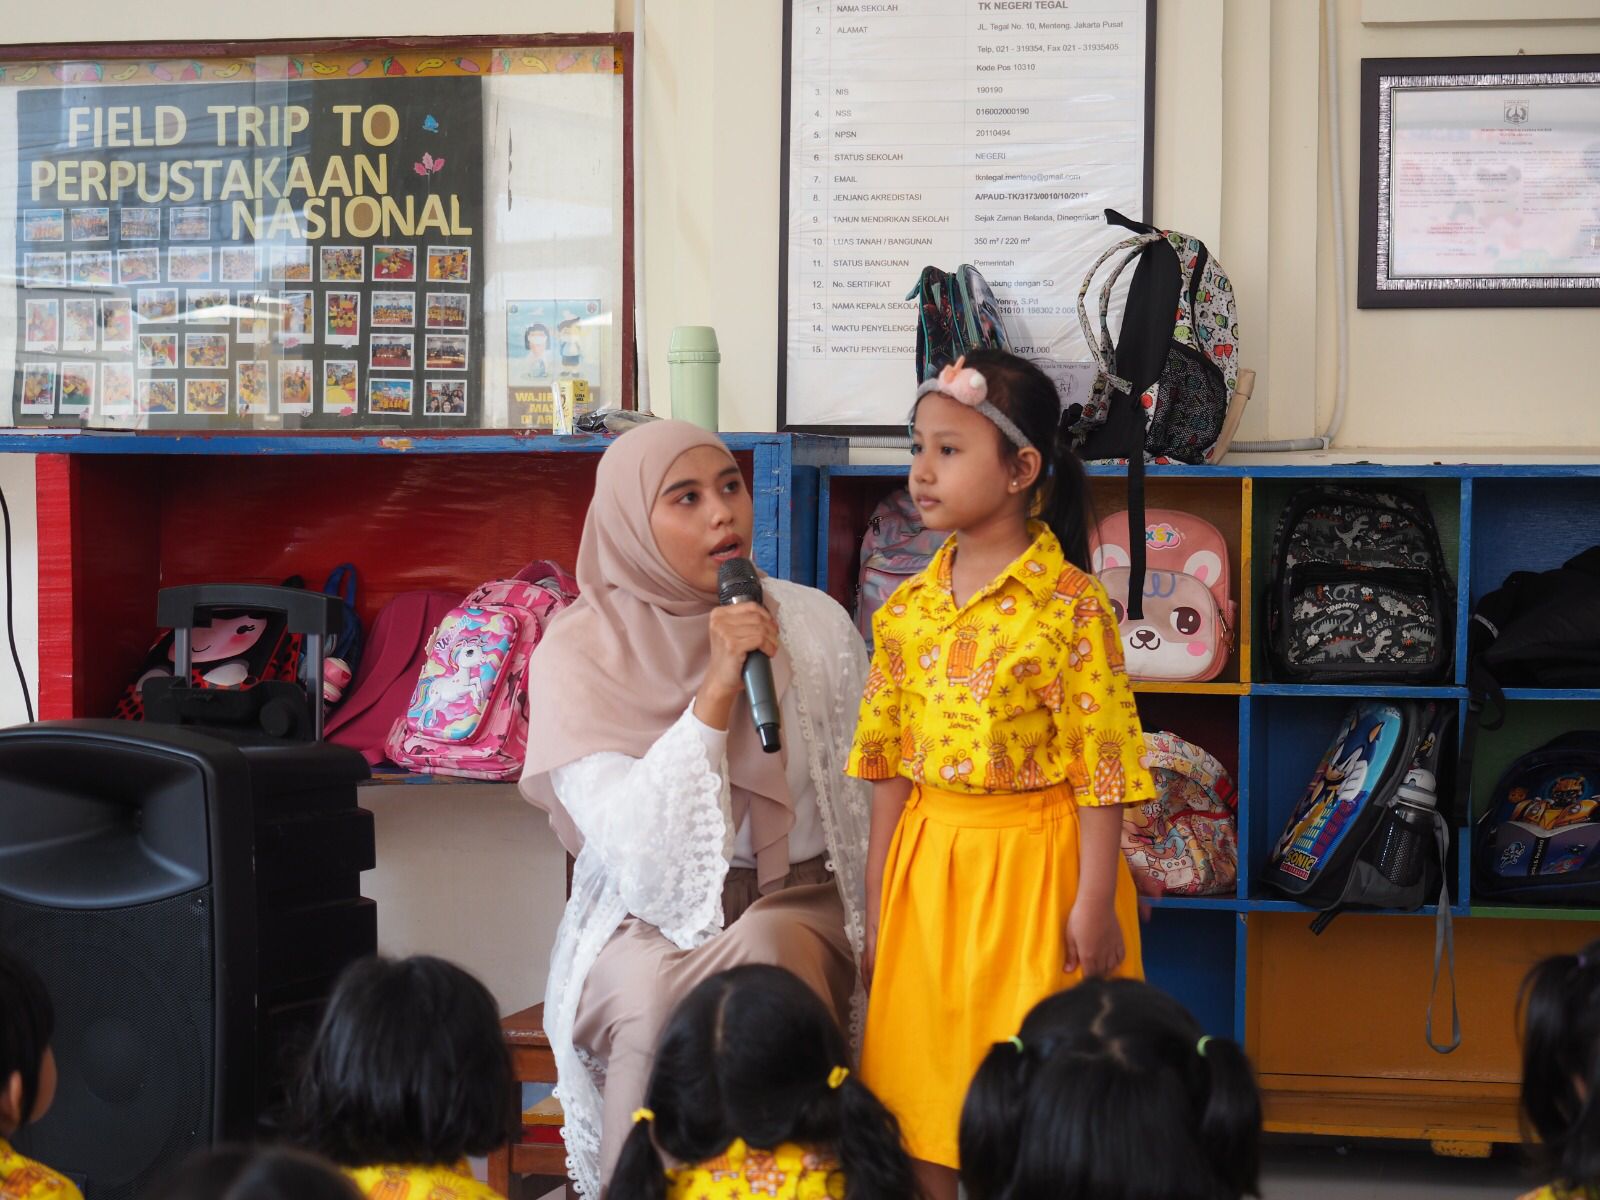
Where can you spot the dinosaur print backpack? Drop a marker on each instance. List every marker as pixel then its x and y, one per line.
pixel 1360 591
pixel 1185 842
pixel 468 714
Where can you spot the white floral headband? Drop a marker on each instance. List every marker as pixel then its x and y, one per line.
pixel 966 385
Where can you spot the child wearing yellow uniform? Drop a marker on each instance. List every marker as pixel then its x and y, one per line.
pixel 27 1080
pixel 1000 731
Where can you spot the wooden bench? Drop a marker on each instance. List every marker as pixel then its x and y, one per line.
pixel 524 1170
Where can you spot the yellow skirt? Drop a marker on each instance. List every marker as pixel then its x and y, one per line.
pixel 976 894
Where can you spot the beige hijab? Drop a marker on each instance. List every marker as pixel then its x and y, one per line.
pixel 620 666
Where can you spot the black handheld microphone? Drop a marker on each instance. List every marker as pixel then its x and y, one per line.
pixel 738 583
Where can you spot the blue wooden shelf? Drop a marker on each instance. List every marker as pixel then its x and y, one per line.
pixel 1381 691
pixel 815 450
pixel 1195 903
pixel 1553 694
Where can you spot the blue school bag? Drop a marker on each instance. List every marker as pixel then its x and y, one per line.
pixel 896 548
pixel 1539 840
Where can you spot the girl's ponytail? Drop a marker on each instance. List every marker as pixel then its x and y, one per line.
pixel 1560 1009
pixel 1230 1122
pixel 991 1120
pixel 870 1151
pixel 1068 507
pixel 640 1173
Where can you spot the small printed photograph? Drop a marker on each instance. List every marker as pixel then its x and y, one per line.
pixel 158 351
pixel 139 266
pixel 116 326
pixel 251 383
pixel 240 264
pixel 207 306
pixel 257 314
pixel 445 398
pixel 449 264
pixel 158 396
pixel 88 225
pixel 389 397
pixel 391 352
pixel 80 320
pixel 92 268
pixel 295 316
pixel 190 224
pixel 290 264
pixel 394 310
pixel 39 389
pixel 343 264
pixel 449 310
pixel 294 386
pixel 446 352
pixel 341 392
pixel 205 397
pixel 141 225
pixel 44 270
pixel 189 264
pixel 43 225
pixel 397 263
pixel 116 388
pixel 42 331
pixel 205 351
pixel 77 387
pixel 157 305
pixel 342 321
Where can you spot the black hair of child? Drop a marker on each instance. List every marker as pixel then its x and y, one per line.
pixel 1560 1017
pixel 1112 1098
pixel 27 1023
pixel 1027 395
pixel 253 1173
pixel 408 1066
pixel 748 1054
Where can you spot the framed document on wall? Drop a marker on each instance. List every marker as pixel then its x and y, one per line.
pixel 990 134
pixel 1480 182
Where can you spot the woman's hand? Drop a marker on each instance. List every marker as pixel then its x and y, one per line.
pixel 1093 939
pixel 869 950
pixel 736 630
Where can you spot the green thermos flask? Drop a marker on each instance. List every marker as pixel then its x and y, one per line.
pixel 693 356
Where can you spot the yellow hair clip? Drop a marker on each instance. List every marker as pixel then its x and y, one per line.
pixel 643 1114
pixel 837 1076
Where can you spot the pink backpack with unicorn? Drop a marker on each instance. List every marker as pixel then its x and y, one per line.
pixel 468 713
pixel 1186 634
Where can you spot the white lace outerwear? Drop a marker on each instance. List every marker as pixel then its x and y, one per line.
pixel 659 846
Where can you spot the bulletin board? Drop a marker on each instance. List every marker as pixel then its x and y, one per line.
pixel 316 235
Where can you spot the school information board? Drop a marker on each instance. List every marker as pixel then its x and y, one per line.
pixel 990 132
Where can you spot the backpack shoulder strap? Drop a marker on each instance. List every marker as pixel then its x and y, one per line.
pixel 1130 248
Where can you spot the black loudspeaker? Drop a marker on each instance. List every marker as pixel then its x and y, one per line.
pixel 188 901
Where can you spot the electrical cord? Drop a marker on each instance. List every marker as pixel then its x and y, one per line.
pixel 11 626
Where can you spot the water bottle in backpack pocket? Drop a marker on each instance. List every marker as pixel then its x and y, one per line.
pixel 1538 841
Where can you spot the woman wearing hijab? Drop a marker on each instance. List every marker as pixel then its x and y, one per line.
pixel 695 850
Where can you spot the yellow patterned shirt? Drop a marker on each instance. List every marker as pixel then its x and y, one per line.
pixel 23 1179
pixel 1555 1191
pixel 403 1182
pixel 1021 688
pixel 788 1173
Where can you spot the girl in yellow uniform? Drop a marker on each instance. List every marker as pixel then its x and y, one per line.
pixel 750 1097
pixel 27 1080
pixel 1560 1008
pixel 1000 732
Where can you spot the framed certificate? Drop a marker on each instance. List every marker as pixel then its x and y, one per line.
pixel 1480 182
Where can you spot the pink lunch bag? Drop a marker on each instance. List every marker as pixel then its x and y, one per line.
pixel 1186 634
pixel 468 713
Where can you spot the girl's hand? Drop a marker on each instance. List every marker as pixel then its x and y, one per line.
pixel 1093 939
pixel 736 630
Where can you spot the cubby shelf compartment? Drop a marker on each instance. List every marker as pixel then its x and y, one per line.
pixel 1356 691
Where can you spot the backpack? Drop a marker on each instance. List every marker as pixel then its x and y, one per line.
pixel 468 714
pixel 956 313
pixel 1185 842
pixel 1539 839
pixel 1368 832
pixel 1538 629
pixel 895 548
pixel 347 644
pixel 1186 631
pixel 390 663
pixel 1359 590
pixel 1177 351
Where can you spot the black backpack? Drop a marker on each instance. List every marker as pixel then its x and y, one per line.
pixel 1368 832
pixel 1359 589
